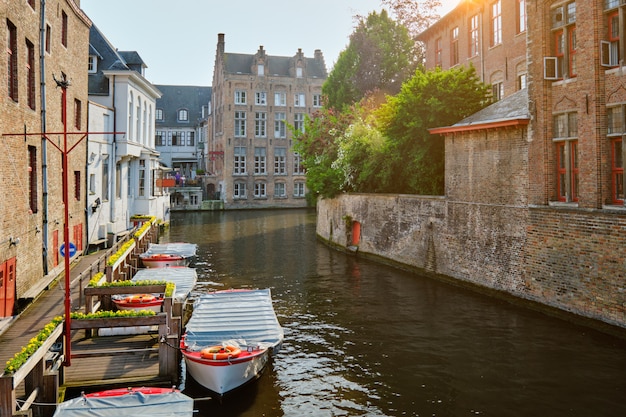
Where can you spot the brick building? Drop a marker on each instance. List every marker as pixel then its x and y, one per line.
pixel 31 202
pixel 255 100
pixel 491 36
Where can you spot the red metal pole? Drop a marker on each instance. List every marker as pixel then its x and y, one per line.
pixel 66 232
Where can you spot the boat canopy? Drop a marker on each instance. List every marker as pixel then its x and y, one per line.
pixel 171 404
pixel 185 278
pixel 244 316
pixel 186 250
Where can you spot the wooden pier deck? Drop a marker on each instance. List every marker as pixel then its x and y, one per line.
pixel 114 360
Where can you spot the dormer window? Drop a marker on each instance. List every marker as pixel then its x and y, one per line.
pixel 93 64
pixel 299 72
pixel 159 114
pixel 183 115
pixel 260 70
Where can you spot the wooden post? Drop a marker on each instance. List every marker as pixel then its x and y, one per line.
pixel 7 396
pixel 50 393
pixel 34 379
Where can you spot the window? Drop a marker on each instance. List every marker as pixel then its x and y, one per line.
pixel 280 99
pixel 260 124
pixel 298 100
pixel 496 23
pixel 521 16
pixel 240 97
pixel 64 29
pixel 280 161
pixel 92 66
pixel 616 130
pixel 240 160
pixel 298 122
pixel 280 127
pixel 105 177
pixel 142 177
pixel 473 36
pixel 118 180
pixel 565 134
pixel 298 189
pixel 317 100
pixel 438 52
pixel 612 47
pixel 12 60
pixel 260 70
pixel 240 190
pixel 299 72
pixel 191 139
pixel 522 81
pixel 159 114
pixel 260 98
pixel 454 46
pixel 240 124
pixel 563 62
pixel 77 185
pixel 279 190
pixel 30 75
pixel 497 90
pixel 183 115
pixel 260 161
pixel 260 190
pixel 92 183
pixel 32 178
pixel 298 167
pixel 78 113
pixel 177 139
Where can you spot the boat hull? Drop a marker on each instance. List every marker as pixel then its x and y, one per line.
pixel 223 376
pixel 155 306
pixel 157 261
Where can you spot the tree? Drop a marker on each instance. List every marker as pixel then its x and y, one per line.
pixel 379 56
pixel 415 16
pixel 429 99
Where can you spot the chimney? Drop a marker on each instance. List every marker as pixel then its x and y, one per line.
pixel 220 43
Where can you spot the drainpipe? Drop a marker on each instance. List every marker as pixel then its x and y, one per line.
pixel 44 149
pixel 113 164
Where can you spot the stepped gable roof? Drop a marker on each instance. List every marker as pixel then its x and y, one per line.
pixel 177 97
pixel 109 58
pixel 510 111
pixel 277 66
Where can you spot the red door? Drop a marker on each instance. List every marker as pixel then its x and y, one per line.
pixel 7 288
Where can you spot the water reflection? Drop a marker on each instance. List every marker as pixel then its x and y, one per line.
pixel 362 339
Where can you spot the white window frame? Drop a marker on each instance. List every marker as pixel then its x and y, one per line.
pixel 280 190
pixel 240 97
pixel 260 98
pixel 280 161
pixel 260 161
pixel 280 99
pixel 260 124
pixel 260 190
pixel 280 125
pixel 239 190
pixel 299 189
pixel 298 122
pixel 239 163
pixel 299 100
pixel 240 124
pixel 317 100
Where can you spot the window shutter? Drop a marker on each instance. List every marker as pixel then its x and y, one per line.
pixel 550 68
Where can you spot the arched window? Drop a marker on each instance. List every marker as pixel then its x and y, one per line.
pixel 183 115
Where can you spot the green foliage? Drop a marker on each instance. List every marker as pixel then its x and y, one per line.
pixel 387 148
pixel 429 99
pixel 380 56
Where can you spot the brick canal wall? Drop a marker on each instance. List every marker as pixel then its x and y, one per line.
pixel 569 260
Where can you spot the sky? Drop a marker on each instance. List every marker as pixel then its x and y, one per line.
pixel 177 39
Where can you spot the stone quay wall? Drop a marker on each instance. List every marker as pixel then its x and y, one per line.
pixel 566 261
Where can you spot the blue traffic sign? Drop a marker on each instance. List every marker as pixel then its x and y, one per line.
pixel 72 249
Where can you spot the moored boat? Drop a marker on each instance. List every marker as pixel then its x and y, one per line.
pixel 139 302
pixel 161 255
pixel 230 337
pixel 184 279
pixel 146 401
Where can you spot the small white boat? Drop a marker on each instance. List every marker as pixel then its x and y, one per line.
pixel 161 255
pixel 230 337
pixel 127 402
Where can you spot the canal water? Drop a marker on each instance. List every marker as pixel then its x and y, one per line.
pixel 364 339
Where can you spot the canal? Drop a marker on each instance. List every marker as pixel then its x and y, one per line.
pixel 364 339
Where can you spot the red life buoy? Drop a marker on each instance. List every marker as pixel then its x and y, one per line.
pixel 220 352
